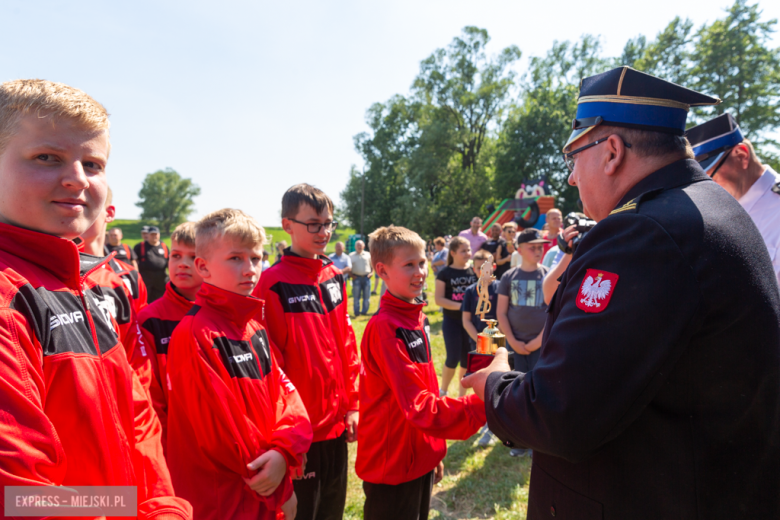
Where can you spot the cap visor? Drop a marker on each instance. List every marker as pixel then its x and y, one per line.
pixel 710 162
pixel 576 134
pixel 536 241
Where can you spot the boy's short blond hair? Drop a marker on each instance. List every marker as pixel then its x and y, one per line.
pixel 509 225
pixel 22 97
pixel 481 255
pixel 227 223
pixel 184 234
pixel 384 241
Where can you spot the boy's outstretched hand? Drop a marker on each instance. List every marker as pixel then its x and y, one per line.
pixel 271 468
pixel 478 379
pixel 290 508
pixel 352 420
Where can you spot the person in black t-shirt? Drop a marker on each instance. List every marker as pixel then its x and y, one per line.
pixel 451 284
pixel 123 251
pixel 152 263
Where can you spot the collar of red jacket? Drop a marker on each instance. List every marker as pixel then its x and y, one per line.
pixel 57 255
pixel 233 306
pixel 309 266
pixel 172 294
pixel 399 306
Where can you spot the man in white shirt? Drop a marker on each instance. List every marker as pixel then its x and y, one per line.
pixel 731 161
pixel 475 237
pixel 361 278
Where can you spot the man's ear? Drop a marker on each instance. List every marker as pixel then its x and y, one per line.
pixel 201 266
pixel 741 154
pixel 110 214
pixel 615 153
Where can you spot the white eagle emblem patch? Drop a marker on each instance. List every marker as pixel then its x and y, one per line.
pixel 596 290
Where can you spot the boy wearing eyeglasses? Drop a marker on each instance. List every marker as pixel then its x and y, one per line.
pixel 307 320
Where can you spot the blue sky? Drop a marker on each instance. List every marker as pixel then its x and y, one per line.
pixel 249 98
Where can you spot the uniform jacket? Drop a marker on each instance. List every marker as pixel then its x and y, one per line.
pixel 228 403
pixel 72 412
pixel 156 323
pixel 403 421
pixel 308 321
pixel 655 397
pixel 113 297
pixel 133 281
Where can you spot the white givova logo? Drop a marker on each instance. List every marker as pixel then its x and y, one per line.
pixel 242 357
pixel 65 319
pixel 301 299
pixel 335 292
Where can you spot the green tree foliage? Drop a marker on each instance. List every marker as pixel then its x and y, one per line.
pixel 733 62
pixel 459 140
pixel 166 198
pixel 530 142
pixel 429 155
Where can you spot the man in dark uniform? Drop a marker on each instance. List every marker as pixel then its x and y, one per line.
pixel 657 393
pixel 152 262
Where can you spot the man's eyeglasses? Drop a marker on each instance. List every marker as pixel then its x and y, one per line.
pixel 314 227
pixel 568 158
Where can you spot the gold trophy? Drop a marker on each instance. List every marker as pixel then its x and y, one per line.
pixel 490 339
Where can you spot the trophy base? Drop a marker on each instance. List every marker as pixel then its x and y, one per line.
pixel 477 361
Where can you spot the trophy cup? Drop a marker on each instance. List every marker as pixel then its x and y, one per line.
pixel 490 339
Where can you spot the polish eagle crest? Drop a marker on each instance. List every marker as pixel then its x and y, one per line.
pixel 595 290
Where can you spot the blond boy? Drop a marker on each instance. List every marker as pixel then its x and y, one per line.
pixel 237 428
pixel 404 421
pixel 61 424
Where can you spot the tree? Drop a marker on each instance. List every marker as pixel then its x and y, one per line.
pixel 732 61
pixel 429 155
pixel 530 142
pixel 167 198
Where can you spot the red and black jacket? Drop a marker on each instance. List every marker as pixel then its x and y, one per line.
pixel 228 403
pixel 308 321
pixel 403 421
pixel 113 297
pixel 156 323
pixel 72 412
pixel 133 281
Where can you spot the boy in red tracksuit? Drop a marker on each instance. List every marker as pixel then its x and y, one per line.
pixel 72 411
pixel 113 295
pixel 307 319
pixel 237 429
pixel 158 319
pixel 404 423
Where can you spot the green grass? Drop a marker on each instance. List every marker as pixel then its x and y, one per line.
pixel 478 483
pixel 131 231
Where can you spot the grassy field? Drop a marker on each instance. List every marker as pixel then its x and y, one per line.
pixel 478 483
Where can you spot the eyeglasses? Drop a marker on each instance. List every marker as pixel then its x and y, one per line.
pixel 568 158
pixel 314 227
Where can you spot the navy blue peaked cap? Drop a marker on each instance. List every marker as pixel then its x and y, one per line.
pixel 632 99
pixel 714 138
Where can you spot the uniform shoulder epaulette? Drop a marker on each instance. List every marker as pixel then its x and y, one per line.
pixel 776 188
pixel 632 205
